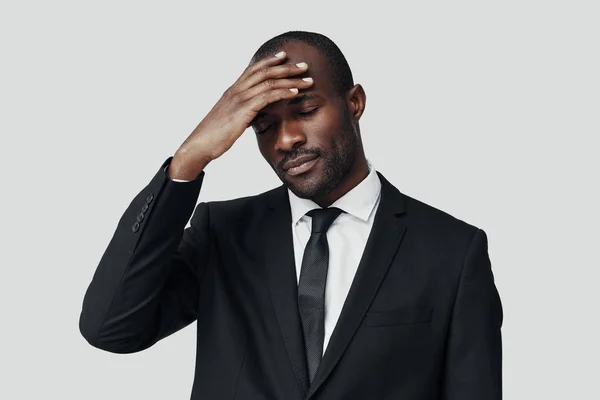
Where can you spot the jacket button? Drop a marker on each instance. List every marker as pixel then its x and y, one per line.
pixel 135 227
pixel 149 198
pixel 140 217
pixel 145 207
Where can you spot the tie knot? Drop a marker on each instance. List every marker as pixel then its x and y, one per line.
pixel 322 218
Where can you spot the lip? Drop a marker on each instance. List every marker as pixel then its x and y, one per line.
pixel 299 161
pixel 302 168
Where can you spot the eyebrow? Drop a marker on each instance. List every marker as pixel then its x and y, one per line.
pixel 301 98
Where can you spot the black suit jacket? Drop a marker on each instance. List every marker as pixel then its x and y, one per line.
pixel 421 321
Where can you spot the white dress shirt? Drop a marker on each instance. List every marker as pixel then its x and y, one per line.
pixel 347 238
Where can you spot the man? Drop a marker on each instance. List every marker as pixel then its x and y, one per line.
pixel 332 286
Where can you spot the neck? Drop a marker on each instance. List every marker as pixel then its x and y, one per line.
pixel 357 174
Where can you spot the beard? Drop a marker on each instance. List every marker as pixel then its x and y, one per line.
pixel 336 164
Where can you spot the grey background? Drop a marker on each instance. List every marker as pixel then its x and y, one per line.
pixel 487 110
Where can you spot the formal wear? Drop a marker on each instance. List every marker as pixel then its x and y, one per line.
pixel 347 239
pixel 311 288
pixel 411 308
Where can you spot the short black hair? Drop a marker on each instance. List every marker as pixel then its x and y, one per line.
pixel 335 62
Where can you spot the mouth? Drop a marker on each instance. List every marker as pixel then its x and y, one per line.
pixel 300 165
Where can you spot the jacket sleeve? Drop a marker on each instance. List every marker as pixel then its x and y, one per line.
pixel 146 284
pixel 473 365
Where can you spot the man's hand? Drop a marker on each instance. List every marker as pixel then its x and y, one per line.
pixel 261 83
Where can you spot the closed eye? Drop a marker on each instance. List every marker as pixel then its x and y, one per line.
pixel 309 111
pixel 301 114
pixel 260 132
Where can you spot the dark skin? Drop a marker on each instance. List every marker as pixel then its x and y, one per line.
pixel 305 119
pixel 291 133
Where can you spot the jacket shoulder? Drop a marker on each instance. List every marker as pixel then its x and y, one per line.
pixel 428 218
pixel 238 212
pixel 245 202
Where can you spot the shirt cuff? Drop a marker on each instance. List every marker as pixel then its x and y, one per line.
pixel 174 180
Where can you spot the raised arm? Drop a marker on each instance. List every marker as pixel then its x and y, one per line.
pixel 146 284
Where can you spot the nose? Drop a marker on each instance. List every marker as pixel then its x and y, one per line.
pixel 289 136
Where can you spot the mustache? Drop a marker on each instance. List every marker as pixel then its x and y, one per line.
pixel 295 154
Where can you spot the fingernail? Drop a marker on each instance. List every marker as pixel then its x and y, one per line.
pixel 280 54
pixel 307 79
pixel 301 65
pixel 294 90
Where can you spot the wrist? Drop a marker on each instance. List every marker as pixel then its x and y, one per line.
pixel 185 168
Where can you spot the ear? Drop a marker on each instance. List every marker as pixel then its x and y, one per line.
pixel 356 99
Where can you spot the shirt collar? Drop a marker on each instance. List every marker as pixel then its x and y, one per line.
pixel 359 201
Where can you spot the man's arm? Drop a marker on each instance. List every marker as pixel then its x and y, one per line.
pixel 473 369
pixel 146 284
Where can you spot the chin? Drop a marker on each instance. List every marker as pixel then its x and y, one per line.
pixel 315 183
pixel 307 187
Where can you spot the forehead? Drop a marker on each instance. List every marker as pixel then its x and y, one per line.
pixel 302 52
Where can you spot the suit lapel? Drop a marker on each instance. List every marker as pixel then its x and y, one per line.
pixel 281 272
pixel 382 244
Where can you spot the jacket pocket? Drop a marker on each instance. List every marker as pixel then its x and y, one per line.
pixel 399 316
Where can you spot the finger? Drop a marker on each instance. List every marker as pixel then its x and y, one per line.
pixel 261 64
pixel 272 72
pixel 257 103
pixel 271 84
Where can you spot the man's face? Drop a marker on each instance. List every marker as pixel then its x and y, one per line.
pixel 315 126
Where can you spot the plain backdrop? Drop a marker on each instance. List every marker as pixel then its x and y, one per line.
pixel 486 110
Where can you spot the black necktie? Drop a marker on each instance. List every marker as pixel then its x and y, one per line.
pixel 311 287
